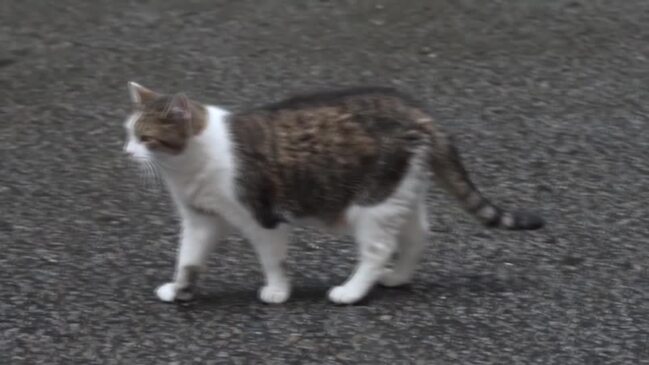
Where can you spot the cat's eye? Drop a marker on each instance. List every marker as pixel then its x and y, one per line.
pixel 145 139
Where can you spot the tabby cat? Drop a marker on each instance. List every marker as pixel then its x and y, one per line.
pixel 355 161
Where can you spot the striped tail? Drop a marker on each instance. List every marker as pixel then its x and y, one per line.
pixel 449 171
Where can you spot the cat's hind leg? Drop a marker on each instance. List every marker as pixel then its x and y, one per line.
pixel 411 244
pixel 199 234
pixel 375 232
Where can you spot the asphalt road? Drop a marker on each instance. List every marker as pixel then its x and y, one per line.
pixel 548 102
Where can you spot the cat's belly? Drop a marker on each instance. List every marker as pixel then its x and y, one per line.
pixel 242 218
pixel 338 226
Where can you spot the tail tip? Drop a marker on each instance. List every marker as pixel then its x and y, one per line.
pixel 525 220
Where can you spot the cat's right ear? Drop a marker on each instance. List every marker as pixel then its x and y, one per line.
pixel 140 94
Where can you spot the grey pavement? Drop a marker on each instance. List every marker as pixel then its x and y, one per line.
pixel 548 101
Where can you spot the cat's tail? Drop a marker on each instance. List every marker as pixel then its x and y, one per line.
pixel 451 174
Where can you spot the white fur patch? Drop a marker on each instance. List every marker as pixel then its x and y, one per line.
pixel 376 230
pixel 167 292
pixel 132 146
pixel 345 294
pixel 274 294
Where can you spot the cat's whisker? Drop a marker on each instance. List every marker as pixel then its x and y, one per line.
pixel 144 173
pixel 153 173
pixel 164 165
pixel 148 175
pixel 143 180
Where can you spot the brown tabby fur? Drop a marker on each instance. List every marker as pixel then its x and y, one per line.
pixel 315 155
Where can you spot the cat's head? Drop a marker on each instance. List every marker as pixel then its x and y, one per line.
pixel 160 125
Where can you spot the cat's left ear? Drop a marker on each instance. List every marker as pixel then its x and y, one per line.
pixel 140 94
pixel 179 109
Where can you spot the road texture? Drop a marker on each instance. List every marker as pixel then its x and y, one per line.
pixel 549 104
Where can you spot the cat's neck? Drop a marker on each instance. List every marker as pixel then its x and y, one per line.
pixel 209 152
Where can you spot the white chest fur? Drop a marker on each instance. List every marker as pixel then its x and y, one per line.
pixel 203 176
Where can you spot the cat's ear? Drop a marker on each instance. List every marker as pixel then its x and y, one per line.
pixel 140 94
pixel 179 109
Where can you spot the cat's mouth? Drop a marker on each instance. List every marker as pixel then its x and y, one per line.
pixel 138 157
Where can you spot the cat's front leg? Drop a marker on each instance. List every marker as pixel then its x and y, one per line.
pixel 200 233
pixel 271 246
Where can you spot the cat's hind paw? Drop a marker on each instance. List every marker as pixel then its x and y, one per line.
pixel 345 294
pixel 392 279
pixel 169 292
pixel 274 294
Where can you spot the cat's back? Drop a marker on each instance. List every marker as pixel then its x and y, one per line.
pixel 332 114
pixel 367 98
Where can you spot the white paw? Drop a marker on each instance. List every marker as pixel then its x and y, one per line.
pixel 392 278
pixel 274 294
pixel 345 294
pixel 169 292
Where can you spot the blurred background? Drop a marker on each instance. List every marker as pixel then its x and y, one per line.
pixel 548 103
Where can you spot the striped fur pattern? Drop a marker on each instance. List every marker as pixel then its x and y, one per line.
pixel 316 155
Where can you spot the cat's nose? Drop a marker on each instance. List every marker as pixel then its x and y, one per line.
pixel 128 149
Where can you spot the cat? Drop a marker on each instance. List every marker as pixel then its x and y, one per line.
pixel 355 161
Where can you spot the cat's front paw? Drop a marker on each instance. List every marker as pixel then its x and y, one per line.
pixel 274 294
pixel 345 294
pixel 169 292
